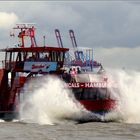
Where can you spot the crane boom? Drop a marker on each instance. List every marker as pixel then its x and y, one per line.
pixel 73 39
pixel 58 37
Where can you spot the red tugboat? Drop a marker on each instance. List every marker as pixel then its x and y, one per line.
pixel 22 60
pixel 30 60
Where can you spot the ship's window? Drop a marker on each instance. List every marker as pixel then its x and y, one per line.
pixel 41 55
pixel 8 54
pixel 44 55
pixel 47 56
pixel 19 56
pixel 78 93
pixel 60 56
pixel 10 59
pixel 90 93
pixel 86 95
pixel 50 55
pixel 53 56
pixel 31 56
pixel 103 94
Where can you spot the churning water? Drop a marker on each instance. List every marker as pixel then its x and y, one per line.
pixel 125 87
pixel 48 101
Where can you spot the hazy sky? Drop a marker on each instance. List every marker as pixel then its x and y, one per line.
pixel 112 28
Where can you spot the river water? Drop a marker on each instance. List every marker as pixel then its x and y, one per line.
pixel 69 131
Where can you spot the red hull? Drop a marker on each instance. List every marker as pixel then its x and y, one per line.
pixel 99 105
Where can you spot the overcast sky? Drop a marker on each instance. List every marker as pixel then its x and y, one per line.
pixel 111 28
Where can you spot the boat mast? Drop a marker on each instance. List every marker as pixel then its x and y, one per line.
pixel 26 30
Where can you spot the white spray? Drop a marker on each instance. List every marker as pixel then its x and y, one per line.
pixel 126 90
pixel 48 101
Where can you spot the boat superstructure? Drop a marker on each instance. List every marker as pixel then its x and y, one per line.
pixel 20 61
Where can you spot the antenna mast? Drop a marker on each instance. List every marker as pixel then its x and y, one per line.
pixel 26 29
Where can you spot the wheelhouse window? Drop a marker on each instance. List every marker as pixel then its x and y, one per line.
pixel 90 93
pixel 54 56
pixel 44 55
pixel 20 56
pixel 30 56
pixel 11 56
pixel 60 56
pixel 8 56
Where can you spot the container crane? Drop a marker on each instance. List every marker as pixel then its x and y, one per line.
pixel 58 37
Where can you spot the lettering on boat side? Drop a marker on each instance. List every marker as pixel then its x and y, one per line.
pixel 40 66
pixel 37 66
pixel 74 85
pixel 87 85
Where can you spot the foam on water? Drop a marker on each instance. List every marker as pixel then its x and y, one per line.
pixel 126 90
pixel 2 121
pixel 48 101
